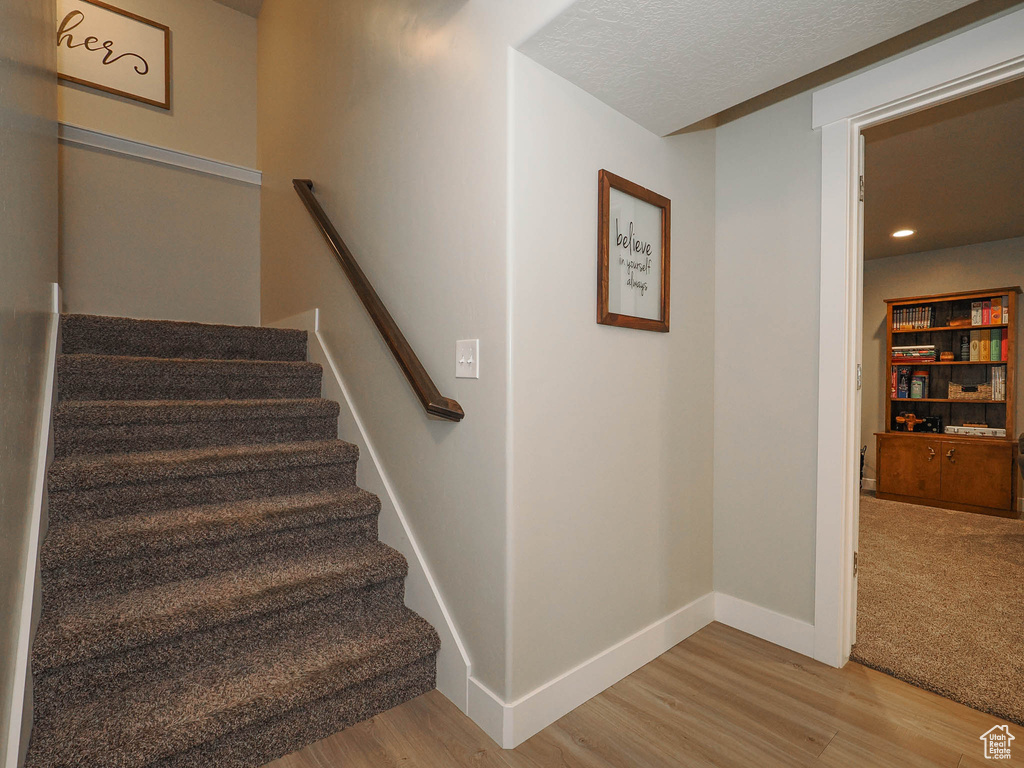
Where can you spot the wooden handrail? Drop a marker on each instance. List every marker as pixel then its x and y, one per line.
pixel 433 401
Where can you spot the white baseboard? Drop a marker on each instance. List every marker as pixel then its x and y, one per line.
pixel 868 484
pixel 777 628
pixel 512 724
pixel 19 725
pixel 421 592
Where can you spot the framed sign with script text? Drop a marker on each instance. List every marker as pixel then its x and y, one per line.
pixel 633 255
pixel 115 51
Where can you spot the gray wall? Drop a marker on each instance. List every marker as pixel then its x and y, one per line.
pixel 28 265
pixel 403 130
pixel 767 251
pixel 996 264
pixel 612 428
pixel 140 239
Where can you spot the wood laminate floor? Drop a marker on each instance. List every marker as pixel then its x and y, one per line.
pixel 720 698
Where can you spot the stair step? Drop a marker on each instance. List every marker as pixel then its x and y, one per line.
pixel 213 592
pixel 83 487
pixel 91 334
pixel 311 723
pixel 88 629
pixel 73 685
pixel 118 426
pixel 133 551
pixel 114 377
pixel 245 705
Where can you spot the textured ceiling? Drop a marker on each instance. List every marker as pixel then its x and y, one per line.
pixel 954 173
pixel 248 7
pixel 670 63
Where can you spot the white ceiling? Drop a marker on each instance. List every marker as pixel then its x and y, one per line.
pixel 670 63
pixel 248 7
pixel 953 173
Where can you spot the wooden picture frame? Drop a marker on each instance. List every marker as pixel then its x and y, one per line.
pixel 629 215
pixel 88 45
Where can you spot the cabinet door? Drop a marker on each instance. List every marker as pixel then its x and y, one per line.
pixel 980 474
pixel 909 466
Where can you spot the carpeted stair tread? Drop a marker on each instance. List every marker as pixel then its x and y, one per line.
pixel 96 412
pixel 243 687
pixel 96 628
pixel 214 593
pixel 311 723
pixel 88 472
pixel 118 426
pixel 117 377
pixel 93 334
pixel 149 534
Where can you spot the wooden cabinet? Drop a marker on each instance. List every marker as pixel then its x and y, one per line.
pixel 969 473
pixel 951 361
pixel 978 474
pixel 911 467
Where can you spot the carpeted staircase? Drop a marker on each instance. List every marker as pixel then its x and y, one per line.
pixel 214 594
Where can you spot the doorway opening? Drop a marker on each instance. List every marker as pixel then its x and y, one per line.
pixel 980 58
pixel 940 559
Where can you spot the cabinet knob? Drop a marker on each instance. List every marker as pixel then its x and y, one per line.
pixel 931 453
pixel 950 455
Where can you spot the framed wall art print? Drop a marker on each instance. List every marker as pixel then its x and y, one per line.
pixel 633 255
pixel 115 51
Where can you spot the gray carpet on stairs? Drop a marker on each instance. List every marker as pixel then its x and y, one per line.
pixel 214 593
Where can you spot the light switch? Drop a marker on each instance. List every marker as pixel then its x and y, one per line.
pixel 467 359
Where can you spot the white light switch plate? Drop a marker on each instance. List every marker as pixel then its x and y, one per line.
pixel 467 359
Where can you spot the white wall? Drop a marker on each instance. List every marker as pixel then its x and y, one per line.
pixel 398 112
pixel 995 264
pixel 768 209
pixel 611 428
pixel 213 86
pixel 28 267
pixel 140 239
pixel 767 197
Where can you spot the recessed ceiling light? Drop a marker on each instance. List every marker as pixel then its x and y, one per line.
pixel 903 233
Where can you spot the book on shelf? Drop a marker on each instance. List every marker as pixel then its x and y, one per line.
pixel 903 381
pixel 985 351
pixel 975 346
pixel 996 346
pixel 997 310
pixel 1005 344
pixel 976 308
pixel 986 313
pixel 919 388
pixel 916 352
pixel 913 318
pixel 999 383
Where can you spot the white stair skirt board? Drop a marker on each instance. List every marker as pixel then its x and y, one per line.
pixel 868 484
pixel 16 731
pixel 86 137
pixel 777 628
pixel 512 724
pixel 421 592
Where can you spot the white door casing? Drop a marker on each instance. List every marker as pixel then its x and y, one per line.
pixel 978 58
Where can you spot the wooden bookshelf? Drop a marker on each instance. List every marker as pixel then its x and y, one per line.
pixel 967 472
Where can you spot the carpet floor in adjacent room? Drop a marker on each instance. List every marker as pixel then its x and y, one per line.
pixel 940 602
